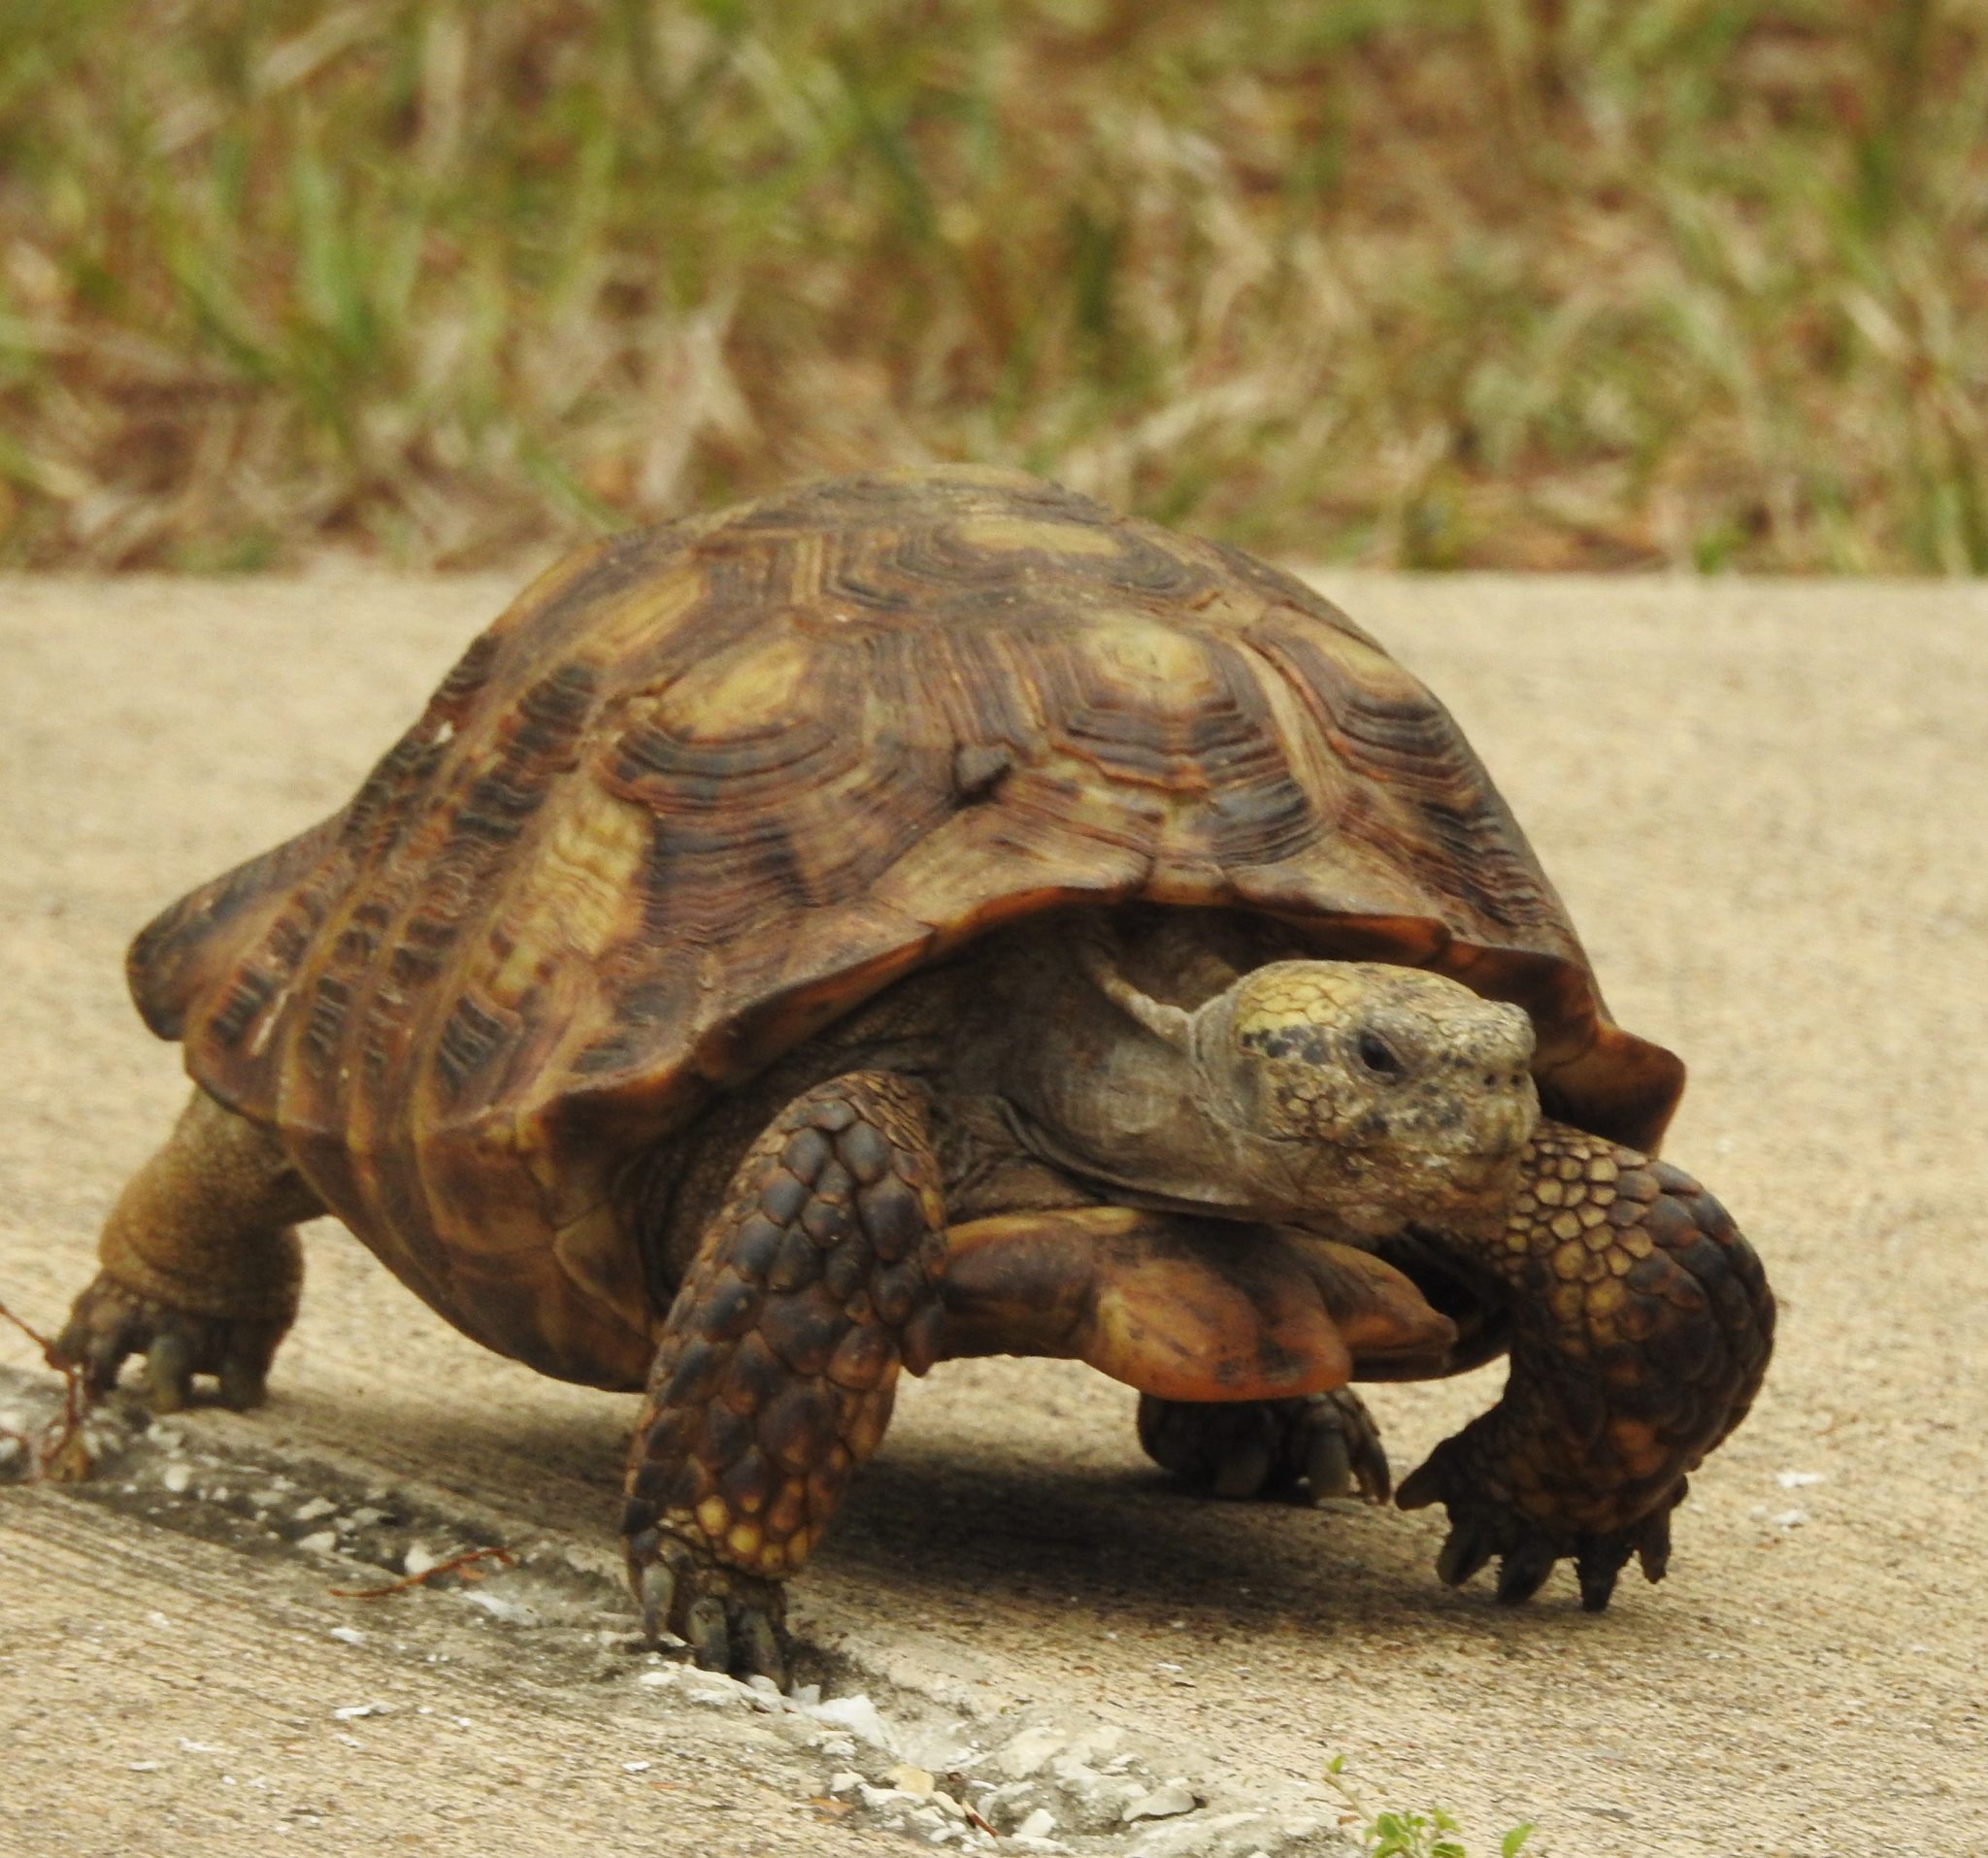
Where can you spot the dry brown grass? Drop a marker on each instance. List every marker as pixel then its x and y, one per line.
pixel 1512 283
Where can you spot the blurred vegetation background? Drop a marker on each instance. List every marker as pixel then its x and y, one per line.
pixel 1531 283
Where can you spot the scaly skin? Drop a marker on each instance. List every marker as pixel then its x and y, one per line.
pixel 818 1279
pixel 201 1270
pixel 1641 1326
pixel 1316 1446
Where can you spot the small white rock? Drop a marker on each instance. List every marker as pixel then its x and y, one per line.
pixel 1163 1801
pixel 714 1689
pixel 908 1780
pixel 349 1635
pixel 351 1713
pixel 1791 1518
pixel 1800 1479
pixel 513 1612
pixel 1028 1752
pixel 634 1767
pixel 323 1542
pixel 846 1781
pixel 311 1511
pixel 142 1767
pixel 1040 1824
pixel 175 1478
pixel 859 1717
pixel 418 1560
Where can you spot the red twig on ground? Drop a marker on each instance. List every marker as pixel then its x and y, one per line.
pixel 453 1563
pixel 59 1454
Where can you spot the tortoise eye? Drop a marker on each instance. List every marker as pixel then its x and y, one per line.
pixel 1377 1055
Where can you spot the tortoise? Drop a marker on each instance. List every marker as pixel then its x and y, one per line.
pixel 922 916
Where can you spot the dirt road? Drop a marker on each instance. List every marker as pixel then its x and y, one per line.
pixel 1767 808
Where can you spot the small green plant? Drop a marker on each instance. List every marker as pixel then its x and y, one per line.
pixel 1412 1834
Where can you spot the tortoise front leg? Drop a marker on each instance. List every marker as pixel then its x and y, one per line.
pixel 1641 1325
pixel 778 1364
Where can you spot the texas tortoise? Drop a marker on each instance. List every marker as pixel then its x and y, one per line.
pixel 921 915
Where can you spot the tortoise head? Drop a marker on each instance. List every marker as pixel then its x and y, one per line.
pixel 1385 1093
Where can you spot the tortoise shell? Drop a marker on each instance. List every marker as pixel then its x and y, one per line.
pixel 705 788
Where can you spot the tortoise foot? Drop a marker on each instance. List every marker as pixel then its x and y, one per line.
pixel 1485 1523
pixel 111 1322
pixel 1308 1449
pixel 731 1621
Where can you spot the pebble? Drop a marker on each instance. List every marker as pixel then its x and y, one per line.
pixel 513 1612
pixel 1028 1752
pixel 323 1542
pixel 1039 1824
pixel 175 1478
pixel 349 1635
pixel 311 1511
pixel 858 1715
pixel 1162 1803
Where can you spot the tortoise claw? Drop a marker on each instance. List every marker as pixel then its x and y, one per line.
pixel 110 1323
pixel 704 1632
pixel 1309 1447
pixel 169 1371
pixel 1466 1549
pixel 1244 1469
pixel 1328 1464
pixel 1485 1524
pixel 730 1621
pixel 756 1646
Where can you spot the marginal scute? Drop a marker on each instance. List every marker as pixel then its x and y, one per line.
pixel 703 789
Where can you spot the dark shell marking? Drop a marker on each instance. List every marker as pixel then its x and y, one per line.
pixel 704 788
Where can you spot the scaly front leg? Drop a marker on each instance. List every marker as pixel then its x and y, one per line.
pixel 778 1364
pixel 1641 1325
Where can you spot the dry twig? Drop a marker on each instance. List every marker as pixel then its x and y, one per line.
pixel 56 1454
pixel 453 1563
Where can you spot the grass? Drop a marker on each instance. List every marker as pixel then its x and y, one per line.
pixel 1400 1834
pixel 1535 283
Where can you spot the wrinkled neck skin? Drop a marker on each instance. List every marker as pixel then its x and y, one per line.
pixel 1144 1104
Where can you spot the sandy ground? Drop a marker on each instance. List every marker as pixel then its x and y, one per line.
pixel 1765 806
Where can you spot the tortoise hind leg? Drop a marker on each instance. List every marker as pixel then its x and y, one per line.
pixel 778 1364
pixel 1316 1446
pixel 200 1266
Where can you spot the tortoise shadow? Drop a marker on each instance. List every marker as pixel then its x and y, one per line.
pixel 942 1525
